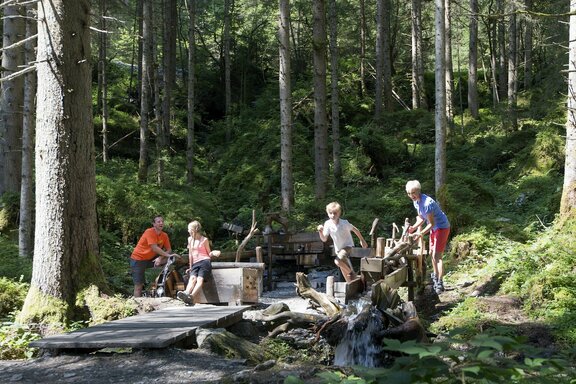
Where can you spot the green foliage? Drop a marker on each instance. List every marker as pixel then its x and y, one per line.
pixel 12 295
pixel 13 266
pixel 485 358
pixel 14 340
pixel 9 206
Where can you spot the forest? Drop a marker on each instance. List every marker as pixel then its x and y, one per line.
pixel 114 111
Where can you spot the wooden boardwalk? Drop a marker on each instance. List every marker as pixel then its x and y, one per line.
pixel 157 329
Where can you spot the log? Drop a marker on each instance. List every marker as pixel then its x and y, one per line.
pixel 305 290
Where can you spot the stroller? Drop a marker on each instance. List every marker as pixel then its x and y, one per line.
pixel 170 280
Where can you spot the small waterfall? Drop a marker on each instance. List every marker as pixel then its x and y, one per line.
pixel 357 347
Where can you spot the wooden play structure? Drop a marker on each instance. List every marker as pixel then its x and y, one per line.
pixel 399 262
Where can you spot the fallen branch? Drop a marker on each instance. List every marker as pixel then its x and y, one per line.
pixel 247 238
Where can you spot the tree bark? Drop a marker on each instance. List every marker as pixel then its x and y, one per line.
pixel 11 99
pixel 66 238
pixel 285 88
pixel 320 120
pixel 528 44
pixel 26 227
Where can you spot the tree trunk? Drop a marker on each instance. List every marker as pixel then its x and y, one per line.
pixel 11 99
pixel 440 110
pixel 568 201
pixel 334 68
pixel 190 136
pixel 227 69
pixel 473 60
pixel 168 82
pixel 66 240
pixel 378 102
pixel 528 43
pixel 418 88
pixel 387 55
pixel 102 77
pixel 26 227
pixel 501 49
pixel 512 68
pixel 320 120
pixel 448 64
pixel 146 90
pixel 285 88
pixel 363 31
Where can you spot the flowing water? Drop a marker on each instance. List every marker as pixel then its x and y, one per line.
pixel 357 347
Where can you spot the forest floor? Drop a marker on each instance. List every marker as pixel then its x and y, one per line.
pixel 175 365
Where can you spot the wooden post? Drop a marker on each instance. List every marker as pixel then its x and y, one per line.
pixel 269 280
pixel 380 246
pixel 330 286
pixel 259 254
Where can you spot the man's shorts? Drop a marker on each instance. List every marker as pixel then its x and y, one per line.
pixel 344 253
pixel 138 269
pixel 201 269
pixel 439 239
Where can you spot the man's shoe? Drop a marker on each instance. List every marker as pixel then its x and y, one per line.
pixel 183 296
pixel 434 279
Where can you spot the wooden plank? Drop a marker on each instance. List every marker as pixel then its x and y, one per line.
pixel 157 329
pixel 233 286
pixel 397 278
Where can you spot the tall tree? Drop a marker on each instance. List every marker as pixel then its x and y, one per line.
pixel 383 97
pixel 568 201
pixel 528 45
pixel 103 76
pixel 147 87
pixel 227 67
pixel 320 120
pixel 448 63
pixel 284 80
pixel 335 102
pixel 512 67
pixel 473 60
pixel 190 136
pixel 66 237
pixel 168 83
pixel 418 89
pixel 363 32
pixel 440 93
pixel 502 62
pixel 25 226
pixel 11 97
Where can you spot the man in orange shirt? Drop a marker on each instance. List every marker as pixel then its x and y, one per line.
pixel 153 250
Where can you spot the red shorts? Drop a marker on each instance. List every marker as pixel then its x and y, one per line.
pixel 439 239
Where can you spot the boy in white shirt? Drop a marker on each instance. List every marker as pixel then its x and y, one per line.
pixel 341 232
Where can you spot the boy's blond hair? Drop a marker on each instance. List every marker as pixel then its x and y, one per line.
pixel 333 207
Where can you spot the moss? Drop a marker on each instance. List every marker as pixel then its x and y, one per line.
pixel 104 308
pixel 48 313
